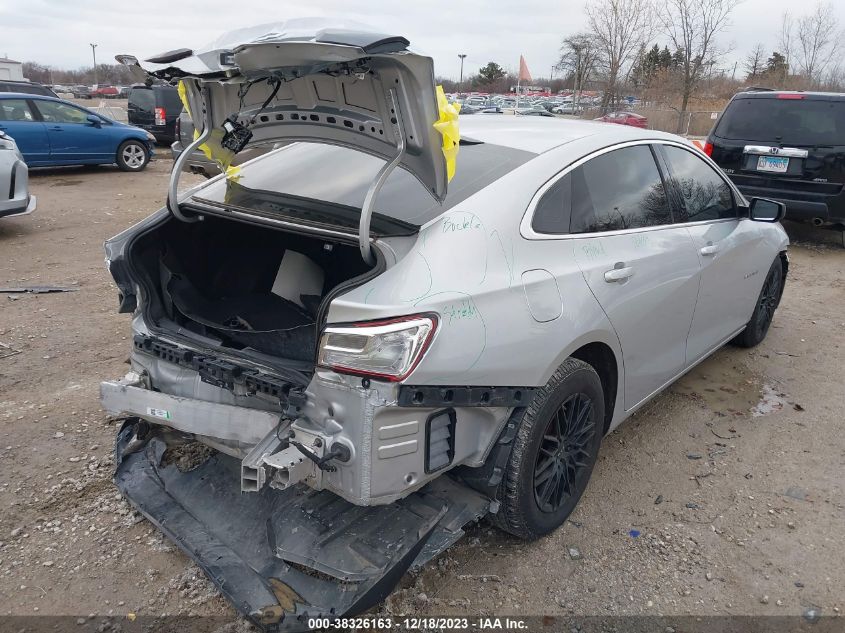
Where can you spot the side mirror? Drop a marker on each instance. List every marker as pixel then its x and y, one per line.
pixel 765 210
pixel 94 120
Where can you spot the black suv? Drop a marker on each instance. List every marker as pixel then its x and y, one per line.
pixel 26 87
pixel 156 109
pixel 789 146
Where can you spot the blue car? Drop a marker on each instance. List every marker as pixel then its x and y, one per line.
pixel 51 132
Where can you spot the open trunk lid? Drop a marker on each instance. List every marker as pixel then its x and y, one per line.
pixel 315 80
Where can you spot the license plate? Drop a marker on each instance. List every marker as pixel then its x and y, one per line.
pixel 772 163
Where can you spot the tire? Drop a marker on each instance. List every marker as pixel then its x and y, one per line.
pixel 132 155
pixel 532 505
pixel 757 328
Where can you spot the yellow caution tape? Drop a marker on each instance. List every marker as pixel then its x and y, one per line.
pixel 212 148
pixel 447 125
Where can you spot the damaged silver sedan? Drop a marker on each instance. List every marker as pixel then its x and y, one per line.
pixel 377 354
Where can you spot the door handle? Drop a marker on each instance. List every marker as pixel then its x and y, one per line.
pixel 620 272
pixel 710 249
pixel 56 128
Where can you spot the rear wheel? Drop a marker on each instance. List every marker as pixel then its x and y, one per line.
pixel 764 311
pixel 132 155
pixel 554 452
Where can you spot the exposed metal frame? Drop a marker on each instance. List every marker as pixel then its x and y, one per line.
pixel 381 177
pixel 173 190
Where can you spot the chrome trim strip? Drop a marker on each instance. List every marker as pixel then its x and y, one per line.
pixel 528 232
pixel 766 150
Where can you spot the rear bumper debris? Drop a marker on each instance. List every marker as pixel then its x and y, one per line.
pixel 282 557
pixel 221 421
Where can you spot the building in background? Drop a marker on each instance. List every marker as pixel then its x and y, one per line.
pixel 11 70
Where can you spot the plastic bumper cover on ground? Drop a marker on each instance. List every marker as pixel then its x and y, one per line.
pixel 283 557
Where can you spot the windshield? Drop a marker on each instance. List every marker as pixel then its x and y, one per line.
pixel 281 181
pixel 789 121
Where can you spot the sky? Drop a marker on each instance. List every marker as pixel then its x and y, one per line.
pixel 58 32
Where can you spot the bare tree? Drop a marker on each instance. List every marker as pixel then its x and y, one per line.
pixel 818 41
pixel 755 62
pixel 692 26
pixel 786 37
pixel 620 28
pixel 578 57
pixel 835 78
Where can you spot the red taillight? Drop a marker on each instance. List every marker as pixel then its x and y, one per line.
pixel 708 149
pixel 789 95
pixel 160 120
pixel 365 349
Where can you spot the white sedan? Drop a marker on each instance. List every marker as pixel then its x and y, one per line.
pixel 14 180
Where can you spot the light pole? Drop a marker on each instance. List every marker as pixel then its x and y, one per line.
pixel 94 53
pixel 461 81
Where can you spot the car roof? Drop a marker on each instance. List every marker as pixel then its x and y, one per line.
pixel 27 95
pixel 763 93
pixel 541 134
pixel 21 83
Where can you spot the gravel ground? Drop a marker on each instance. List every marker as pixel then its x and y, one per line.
pixel 723 496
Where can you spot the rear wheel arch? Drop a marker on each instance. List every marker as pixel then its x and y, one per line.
pixel 602 359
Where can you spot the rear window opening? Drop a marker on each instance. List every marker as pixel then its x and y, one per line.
pixel 326 183
pixel 789 121
pixel 142 98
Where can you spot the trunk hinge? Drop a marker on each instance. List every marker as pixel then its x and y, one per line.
pixel 173 191
pixel 375 186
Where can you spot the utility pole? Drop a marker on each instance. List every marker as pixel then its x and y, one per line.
pixel 94 53
pixel 461 81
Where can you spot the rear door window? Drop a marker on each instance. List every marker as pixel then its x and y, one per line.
pixel 15 110
pixel 57 112
pixel 704 194
pixel 551 215
pixel 142 99
pixel 788 121
pixel 618 190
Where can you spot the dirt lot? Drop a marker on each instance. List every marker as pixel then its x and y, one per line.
pixel 724 496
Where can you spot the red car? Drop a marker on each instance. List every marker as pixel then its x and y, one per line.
pixel 625 118
pixel 106 92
